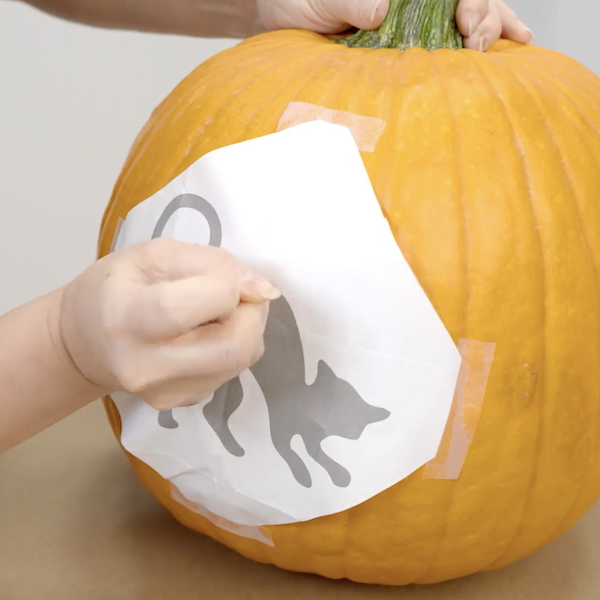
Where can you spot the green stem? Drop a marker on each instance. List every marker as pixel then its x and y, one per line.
pixel 429 24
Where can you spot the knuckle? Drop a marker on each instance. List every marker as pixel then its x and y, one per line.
pixel 133 380
pixel 152 251
pixel 228 262
pixel 160 244
pixel 159 403
pixel 111 306
pixel 110 330
pixel 164 305
pixel 112 324
pixel 171 309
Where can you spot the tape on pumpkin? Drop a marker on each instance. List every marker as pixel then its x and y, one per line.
pixel 477 358
pixel 365 130
pixel 116 234
pixel 260 534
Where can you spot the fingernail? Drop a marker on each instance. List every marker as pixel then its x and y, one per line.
pixel 482 43
pixel 262 287
pixel 527 29
pixel 267 290
pixel 473 22
pixel 369 12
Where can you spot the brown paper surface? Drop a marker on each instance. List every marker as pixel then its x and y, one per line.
pixel 75 524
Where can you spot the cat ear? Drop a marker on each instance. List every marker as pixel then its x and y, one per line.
pixel 380 414
pixel 324 370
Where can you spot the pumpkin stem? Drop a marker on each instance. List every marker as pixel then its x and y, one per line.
pixel 429 24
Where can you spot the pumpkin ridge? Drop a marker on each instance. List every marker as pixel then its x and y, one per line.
pixel 531 90
pixel 519 148
pixel 389 188
pixel 422 62
pixel 509 547
pixel 272 68
pixel 175 108
pixel 559 84
pixel 177 111
pixel 559 78
pixel 569 68
pixel 465 253
pixel 392 116
pixel 154 123
pixel 520 76
pixel 314 68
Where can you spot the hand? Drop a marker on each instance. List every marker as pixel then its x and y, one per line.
pixel 481 22
pixel 167 321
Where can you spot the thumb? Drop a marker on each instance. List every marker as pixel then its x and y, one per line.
pixel 363 14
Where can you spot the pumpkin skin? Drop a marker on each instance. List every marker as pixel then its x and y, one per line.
pixel 488 172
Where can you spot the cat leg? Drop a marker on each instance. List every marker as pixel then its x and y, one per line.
pixel 166 420
pixel 340 476
pixel 294 462
pixel 226 400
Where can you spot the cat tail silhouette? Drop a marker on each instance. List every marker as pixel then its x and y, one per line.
pixel 226 400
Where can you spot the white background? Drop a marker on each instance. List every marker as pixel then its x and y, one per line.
pixel 73 98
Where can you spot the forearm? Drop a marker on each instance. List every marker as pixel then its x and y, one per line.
pixel 39 384
pixel 204 18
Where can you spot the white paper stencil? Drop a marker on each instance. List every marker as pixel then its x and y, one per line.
pixel 355 387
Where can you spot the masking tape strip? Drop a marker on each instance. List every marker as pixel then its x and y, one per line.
pixel 260 534
pixel 115 239
pixel 365 130
pixel 477 358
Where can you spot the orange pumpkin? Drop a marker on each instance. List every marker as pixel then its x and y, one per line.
pixel 488 171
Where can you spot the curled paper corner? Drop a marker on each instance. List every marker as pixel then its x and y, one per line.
pixel 366 131
pixel 259 534
pixel 477 358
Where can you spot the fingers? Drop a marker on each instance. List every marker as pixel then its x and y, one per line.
pixel 338 14
pixel 170 309
pixel 193 366
pixel 483 22
pixel 470 14
pixel 165 258
pixel 487 32
pixel 512 27
pixel 177 320
pixel 363 14
pixel 221 348
pixel 479 23
pixel 255 288
pixel 187 392
pixel 182 287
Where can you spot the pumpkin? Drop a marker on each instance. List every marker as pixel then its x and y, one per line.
pixel 488 172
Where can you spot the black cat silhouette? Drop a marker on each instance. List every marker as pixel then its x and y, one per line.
pixel 328 407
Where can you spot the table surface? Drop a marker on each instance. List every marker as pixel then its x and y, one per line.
pixel 76 524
